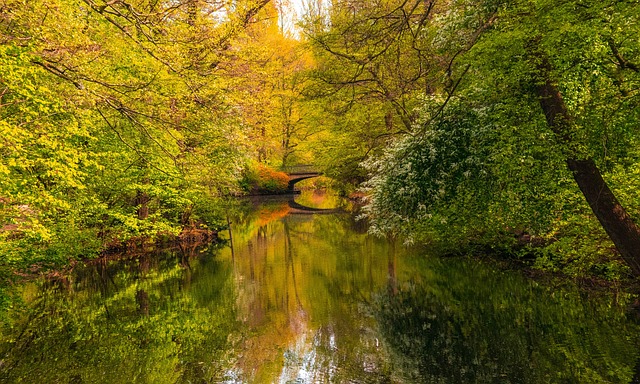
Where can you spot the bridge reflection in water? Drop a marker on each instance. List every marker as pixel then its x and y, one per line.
pixel 299 209
pixel 305 203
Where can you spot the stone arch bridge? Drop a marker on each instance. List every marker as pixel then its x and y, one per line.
pixel 298 173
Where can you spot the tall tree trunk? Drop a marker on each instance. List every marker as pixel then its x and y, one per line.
pixel 142 200
pixel 142 299
pixel 612 216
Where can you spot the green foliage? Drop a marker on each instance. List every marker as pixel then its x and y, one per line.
pixel 421 171
pixel 158 328
pixel 132 119
pixel 482 165
pixel 466 175
pixel 374 61
pixel 107 134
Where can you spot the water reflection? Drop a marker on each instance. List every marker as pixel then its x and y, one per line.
pixel 303 284
pixel 465 323
pixel 152 319
pixel 310 299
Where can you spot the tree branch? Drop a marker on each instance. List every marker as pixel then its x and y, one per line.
pixel 622 62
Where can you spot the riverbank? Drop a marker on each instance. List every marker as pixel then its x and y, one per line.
pixel 187 241
pixel 518 251
pixel 510 253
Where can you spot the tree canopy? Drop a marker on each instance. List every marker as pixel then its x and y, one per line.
pixel 509 125
pixel 515 114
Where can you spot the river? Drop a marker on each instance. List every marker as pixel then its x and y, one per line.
pixel 309 297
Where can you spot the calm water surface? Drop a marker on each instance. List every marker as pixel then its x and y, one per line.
pixel 311 298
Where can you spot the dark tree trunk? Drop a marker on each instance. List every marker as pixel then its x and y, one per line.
pixel 614 219
pixel 142 298
pixel 142 200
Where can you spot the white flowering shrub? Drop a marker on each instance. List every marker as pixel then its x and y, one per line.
pixel 421 171
pixel 468 172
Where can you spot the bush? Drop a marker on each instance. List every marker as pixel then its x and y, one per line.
pixel 260 179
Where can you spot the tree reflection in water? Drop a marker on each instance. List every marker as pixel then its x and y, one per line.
pixel 311 299
pixel 148 319
pixel 468 323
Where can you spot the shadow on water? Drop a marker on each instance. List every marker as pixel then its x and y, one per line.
pixel 299 209
pixel 311 298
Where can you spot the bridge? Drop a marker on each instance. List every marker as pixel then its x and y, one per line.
pixel 298 173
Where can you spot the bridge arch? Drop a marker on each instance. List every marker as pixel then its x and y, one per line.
pixel 298 173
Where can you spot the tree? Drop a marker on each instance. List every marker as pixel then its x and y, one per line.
pixel 568 71
pixel 113 114
pixel 373 61
pixel 612 216
pixel 580 52
pixel 269 75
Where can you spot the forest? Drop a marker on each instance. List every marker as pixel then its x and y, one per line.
pixel 507 128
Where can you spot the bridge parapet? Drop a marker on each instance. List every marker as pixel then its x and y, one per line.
pixel 300 169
